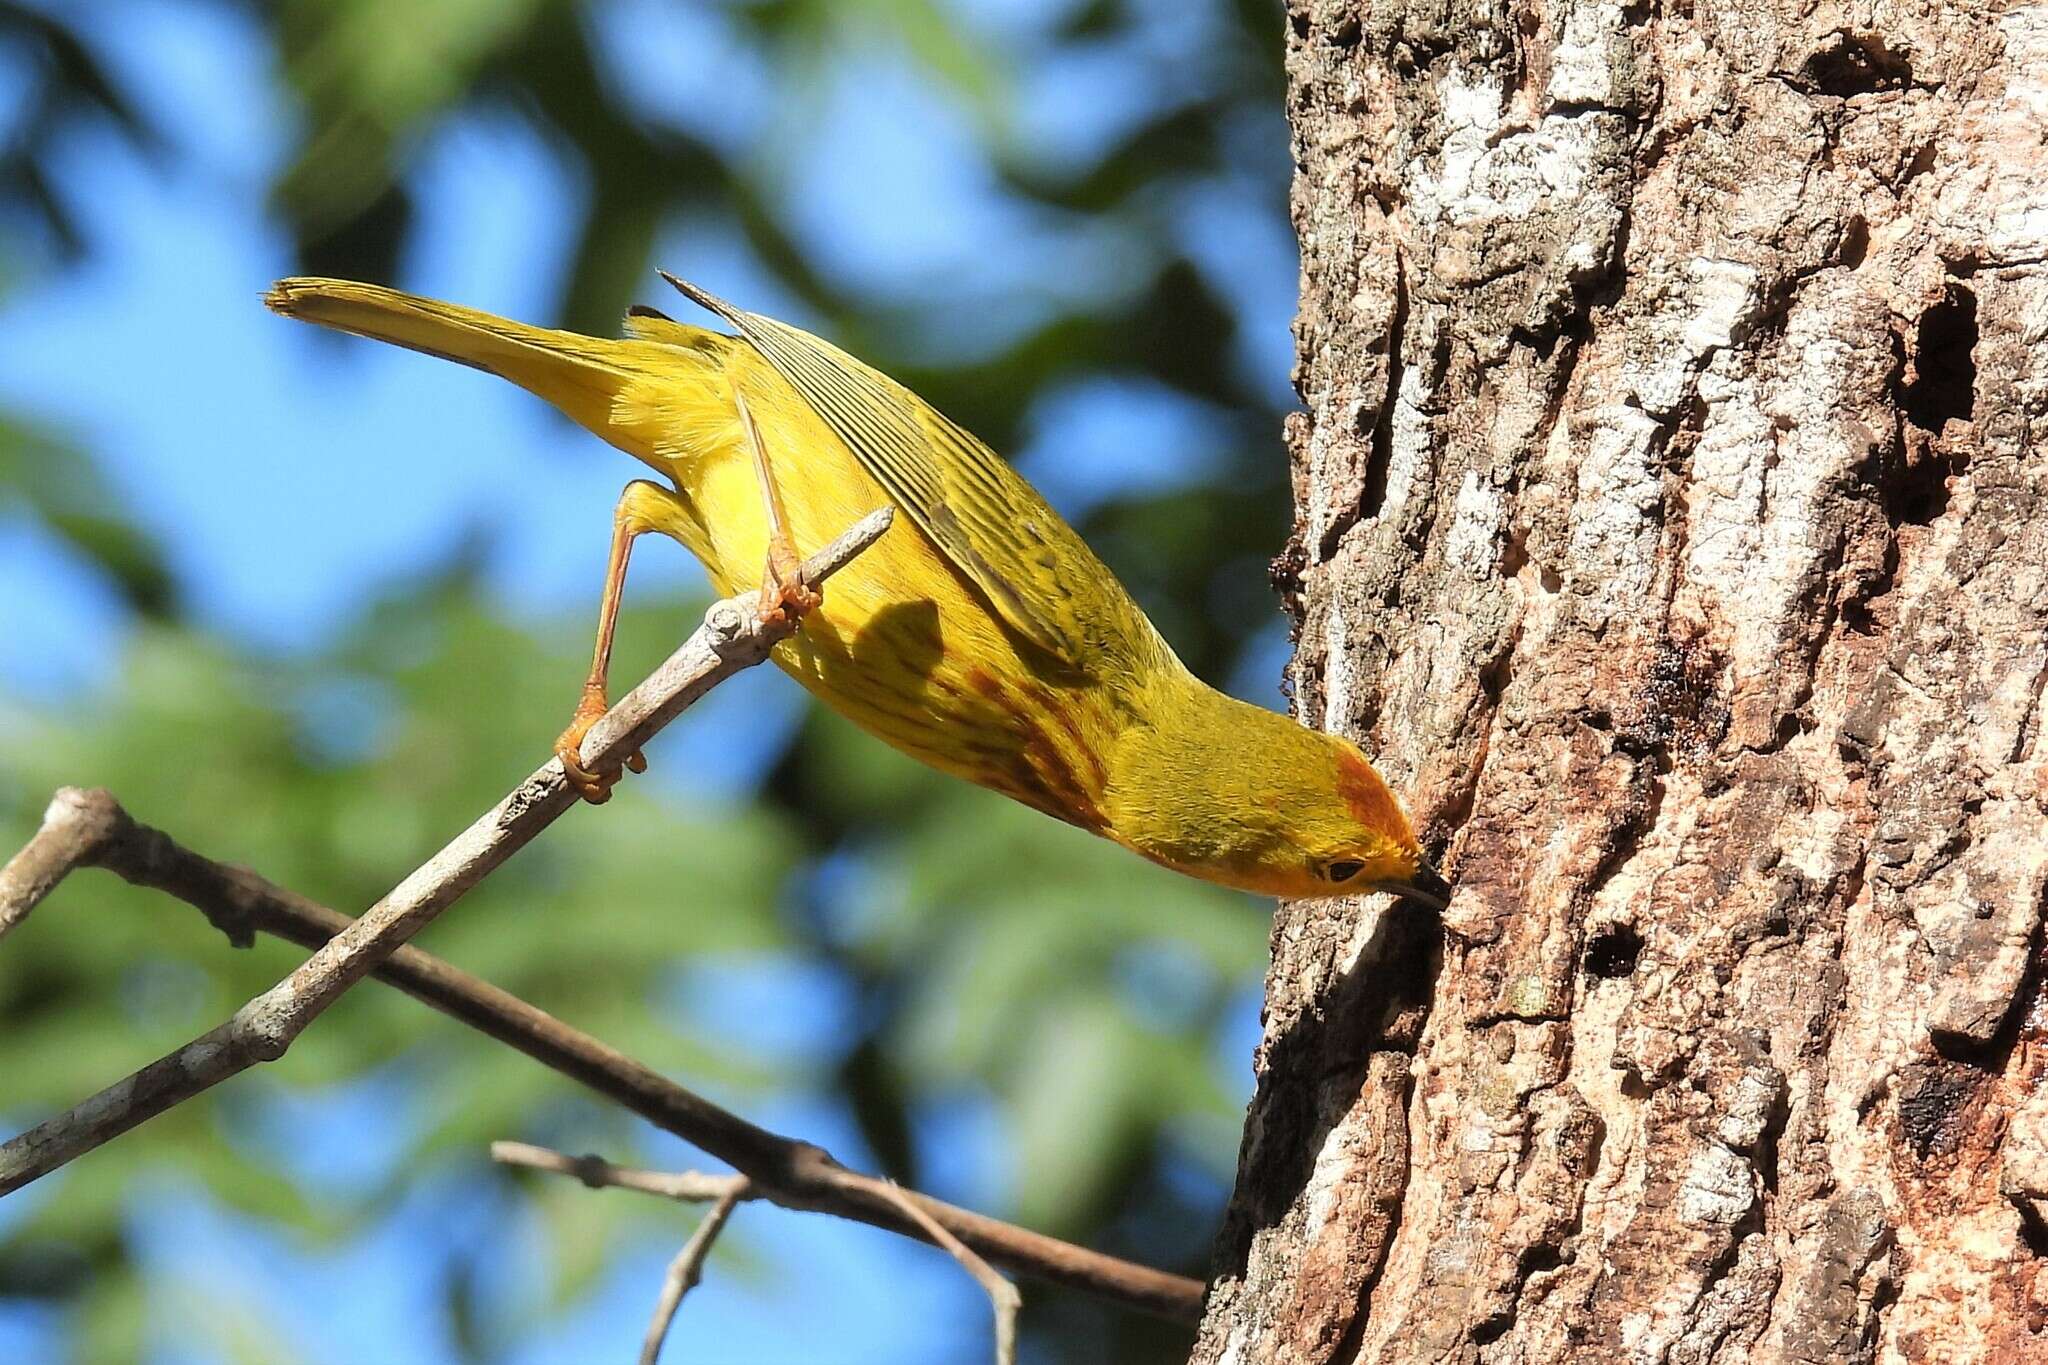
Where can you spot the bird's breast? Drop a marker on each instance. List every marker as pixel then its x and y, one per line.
pixel 938 678
pixel 903 645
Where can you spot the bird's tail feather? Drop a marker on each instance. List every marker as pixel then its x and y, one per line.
pixel 601 384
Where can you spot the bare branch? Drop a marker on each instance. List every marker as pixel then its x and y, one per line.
pixel 794 1174
pixel 685 1187
pixel 688 1267
pixel 732 637
pixel 71 829
pixel 1002 1295
pixel 724 1193
pixel 695 1186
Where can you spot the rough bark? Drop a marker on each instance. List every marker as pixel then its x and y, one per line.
pixel 1673 521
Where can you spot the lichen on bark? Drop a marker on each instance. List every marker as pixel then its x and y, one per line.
pixel 1672 520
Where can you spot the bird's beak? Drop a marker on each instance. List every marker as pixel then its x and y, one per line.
pixel 1427 885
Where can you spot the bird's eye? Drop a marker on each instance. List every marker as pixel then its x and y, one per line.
pixel 1343 871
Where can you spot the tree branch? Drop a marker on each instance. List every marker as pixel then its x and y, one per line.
pixel 67 839
pixel 688 1267
pixel 1003 1297
pixel 697 1187
pixel 794 1174
pixel 684 1187
pixel 723 1192
pixel 733 637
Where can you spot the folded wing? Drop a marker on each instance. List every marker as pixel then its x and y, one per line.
pixel 1035 570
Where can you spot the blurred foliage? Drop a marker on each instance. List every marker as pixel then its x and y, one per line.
pixel 53 482
pixel 989 955
pixel 63 86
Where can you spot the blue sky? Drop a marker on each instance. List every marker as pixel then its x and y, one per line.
pixel 288 477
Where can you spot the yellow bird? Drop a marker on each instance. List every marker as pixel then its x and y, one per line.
pixel 980 635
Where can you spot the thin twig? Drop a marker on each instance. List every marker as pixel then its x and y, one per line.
pixel 732 637
pixel 793 1174
pixel 66 840
pixel 723 1192
pixel 688 1267
pixel 685 1187
pixel 1002 1295
pixel 696 1187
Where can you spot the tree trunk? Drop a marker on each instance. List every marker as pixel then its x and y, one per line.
pixel 1673 523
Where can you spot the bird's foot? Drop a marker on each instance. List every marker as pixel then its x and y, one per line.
pixel 784 594
pixel 596 788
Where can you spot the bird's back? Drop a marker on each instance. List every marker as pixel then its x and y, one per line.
pixel 906 644
pixel 979 635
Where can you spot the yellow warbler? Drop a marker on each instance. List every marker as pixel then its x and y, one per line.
pixel 979 635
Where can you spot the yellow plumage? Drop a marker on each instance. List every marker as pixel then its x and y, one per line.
pixel 980 634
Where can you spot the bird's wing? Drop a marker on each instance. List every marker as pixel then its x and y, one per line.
pixel 1035 570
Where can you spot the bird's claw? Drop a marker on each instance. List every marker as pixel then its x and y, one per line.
pixel 784 594
pixel 786 602
pixel 594 787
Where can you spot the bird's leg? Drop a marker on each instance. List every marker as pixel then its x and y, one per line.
pixel 641 508
pixel 784 594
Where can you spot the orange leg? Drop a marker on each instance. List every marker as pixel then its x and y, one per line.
pixel 784 594
pixel 641 508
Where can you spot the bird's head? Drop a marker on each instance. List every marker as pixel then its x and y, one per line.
pixel 1346 834
pixel 1266 805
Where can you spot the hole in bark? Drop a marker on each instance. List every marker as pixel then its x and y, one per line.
pixel 1944 384
pixel 1884 1296
pixel 1855 63
pixel 1613 952
pixel 2033 1231
pixel 1494 678
pixel 1492 1330
pixel 1931 1101
pixel 1767 1143
pixel 1515 557
pixel 1855 242
pixel 1380 456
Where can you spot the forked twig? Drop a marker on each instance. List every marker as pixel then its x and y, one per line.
pixel 697 1187
pixel 90 829
pixel 1002 1295
pixel 797 1175
pixel 688 1267
pixel 732 637
pixel 723 1192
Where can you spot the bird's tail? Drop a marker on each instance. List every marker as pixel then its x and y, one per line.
pixel 603 384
